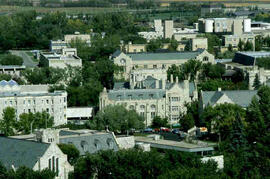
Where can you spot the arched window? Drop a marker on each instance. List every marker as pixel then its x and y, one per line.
pixel 97 144
pixel 205 59
pixel 142 107
pixel 131 107
pixel 110 143
pixel 153 107
pixel 84 145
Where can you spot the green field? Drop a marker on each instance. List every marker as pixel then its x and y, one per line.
pixel 71 10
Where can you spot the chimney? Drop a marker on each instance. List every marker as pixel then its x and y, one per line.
pixel 163 83
pixel 176 80
pixel 219 89
pixel 171 78
pixel 186 84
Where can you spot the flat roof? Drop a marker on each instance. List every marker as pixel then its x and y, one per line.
pixel 180 146
pixel 255 54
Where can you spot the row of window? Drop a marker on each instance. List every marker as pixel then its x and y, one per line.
pixel 151 96
pixel 153 114
pixel 142 107
pixel 54 165
pixel 29 102
pixel 97 144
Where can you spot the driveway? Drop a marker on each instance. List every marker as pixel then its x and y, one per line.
pixel 27 61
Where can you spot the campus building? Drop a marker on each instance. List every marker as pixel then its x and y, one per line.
pixel 33 98
pixel 56 60
pixel 151 97
pixel 132 61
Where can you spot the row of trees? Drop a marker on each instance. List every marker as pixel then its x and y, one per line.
pixel 27 122
pixel 9 59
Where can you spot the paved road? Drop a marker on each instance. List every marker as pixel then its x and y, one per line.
pixel 27 61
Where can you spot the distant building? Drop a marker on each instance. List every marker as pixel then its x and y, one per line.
pixel 68 57
pixel 15 153
pixel 132 61
pixel 86 141
pixel 168 29
pixel 220 25
pixel 59 45
pixel 234 40
pixel 33 98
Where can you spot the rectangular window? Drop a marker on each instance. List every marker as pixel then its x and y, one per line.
pixel 53 163
pixel 34 101
pixel 29 102
pixel 175 108
pixel 47 101
pixel 50 164
pixel 145 66
pixel 29 110
pixel 153 114
pixel 57 166
pixel 142 114
pixel 47 110
pixel 154 66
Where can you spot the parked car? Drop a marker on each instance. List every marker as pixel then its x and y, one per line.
pixel 165 129
pixel 157 129
pixel 175 131
pixel 148 130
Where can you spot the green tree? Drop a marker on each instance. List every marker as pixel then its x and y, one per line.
pixel 256 83
pixel 8 123
pixel 248 46
pixel 159 122
pixel 187 122
pixel 11 60
pixel 210 71
pixel 71 151
pixel 117 118
pixel 173 45
pixel 154 45
pixel 241 45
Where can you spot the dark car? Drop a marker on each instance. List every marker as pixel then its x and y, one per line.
pixel 148 130
pixel 175 131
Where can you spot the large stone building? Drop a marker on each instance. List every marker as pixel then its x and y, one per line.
pixel 56 60
pixel 156 60
pixel 15 153
pixel 33 98
pixel 151 97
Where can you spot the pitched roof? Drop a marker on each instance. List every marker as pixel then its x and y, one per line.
pixel 89 142
pixel 164 56
pixel 240 97
pixel 116 53
pixel 18 152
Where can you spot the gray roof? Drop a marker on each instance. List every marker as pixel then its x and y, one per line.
pixel 240 97
pixel 18 152
pixel 151 93
pixel 89 142
pixel 164 56
pixel 116 53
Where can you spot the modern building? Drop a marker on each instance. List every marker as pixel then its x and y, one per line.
pixel 151 97
pixel 56 60
pixel 246 63
pixel 79 115
pixel 13 70
pixel 33 98
pixel 86 141
pixel 221 25
pixel 15 153
pixel 132 61
pixel 212 98
pixel 168 29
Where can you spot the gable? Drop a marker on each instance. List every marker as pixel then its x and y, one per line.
pixel 224 99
